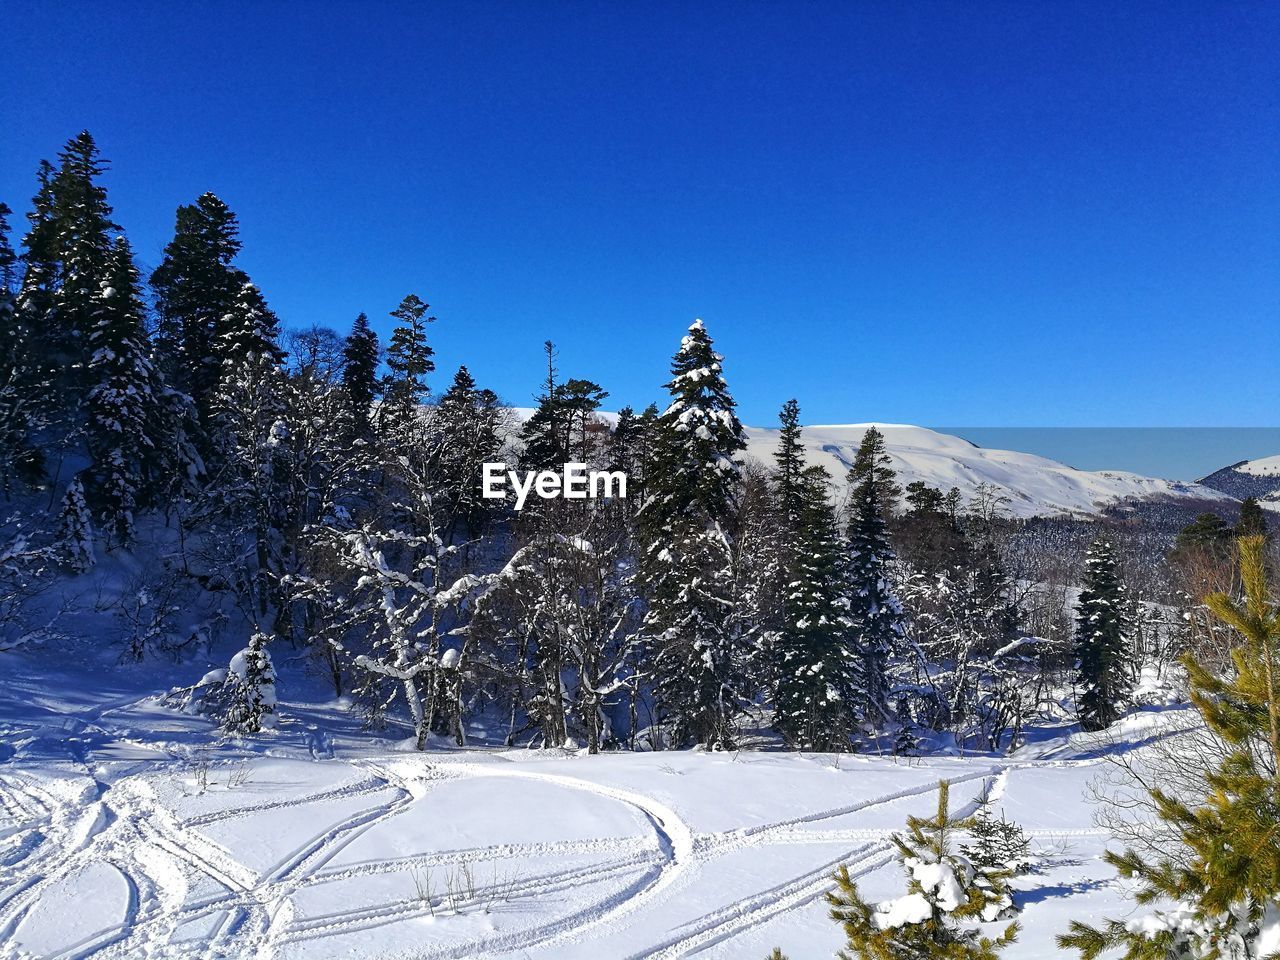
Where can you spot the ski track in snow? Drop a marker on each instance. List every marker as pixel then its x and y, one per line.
pixel 52 828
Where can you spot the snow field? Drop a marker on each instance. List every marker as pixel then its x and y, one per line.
pixel 497 853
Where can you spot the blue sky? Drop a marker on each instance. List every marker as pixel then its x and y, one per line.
pixel 995 213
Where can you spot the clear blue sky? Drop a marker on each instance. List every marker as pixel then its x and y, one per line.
pixel 1023 213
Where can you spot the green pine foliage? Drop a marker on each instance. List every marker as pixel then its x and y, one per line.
pixel 1102 645
pixel 946 897
pixel 1220 896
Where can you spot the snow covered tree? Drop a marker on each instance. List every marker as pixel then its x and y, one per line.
pixel 1219 886
pixel 685 528
pixel 82 241
pixel 997 845
pixel 385 599
pixel 946 896
pixel 816 668
pixel 630 449
pixel 1103 678
pixel 249 430
pixel 122 403
pixel 250 689
pixel 75 529
pixel 560 619
pixel 22 379
pixel 465 430
pixel 874 607
pixel 196 287
pixel 360 372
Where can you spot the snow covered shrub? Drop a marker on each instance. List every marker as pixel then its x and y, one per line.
pixel 1217 876
pixel 998 846
pixel 946 895
pixel 75 530
pixel 251 689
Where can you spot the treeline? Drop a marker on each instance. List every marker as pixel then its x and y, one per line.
pixel 316 481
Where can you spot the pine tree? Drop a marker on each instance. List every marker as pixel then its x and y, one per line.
pixel 250 689
pixel 997 845
pixel 545 435
pixel 685 526
pixel 196 287
pixel 1103 680
pixel 249 427
pixel 122 402
pixel 75 529
pixel 409 355
pixel 465 428
pixel 813 701
pixel 874 607
pixel 82 243
pixel 360 372
pixel 1222 889
pixel 789 460
pixel 944 899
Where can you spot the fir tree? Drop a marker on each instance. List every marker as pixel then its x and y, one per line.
pixel 250 689
pixel 122 403
pixel 816 670
pixel 196 286
pixel 1103 679
pixel 685 527
pixel 82 242
pixel 874 607
pixel 360 372
pixel 248 432
pixel 945 898
pixel 75 529
pixel 21 377
pixel 789 460
pixel 465 428
pixel 997 845
pixel 1220 893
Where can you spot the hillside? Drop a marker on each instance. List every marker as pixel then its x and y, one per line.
pixel 1250 478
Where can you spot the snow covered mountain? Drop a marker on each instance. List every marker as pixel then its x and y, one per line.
pixel 1035 485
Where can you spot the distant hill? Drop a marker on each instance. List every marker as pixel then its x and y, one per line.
pixel 1249 478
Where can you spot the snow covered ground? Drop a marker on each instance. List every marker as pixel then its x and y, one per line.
pixel 123 833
